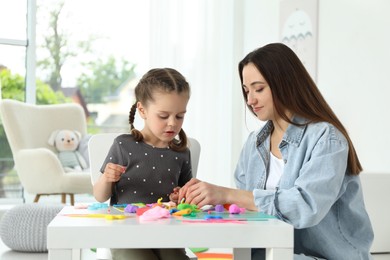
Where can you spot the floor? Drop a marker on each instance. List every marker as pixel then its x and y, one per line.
pixel 87 254
pixel 7 254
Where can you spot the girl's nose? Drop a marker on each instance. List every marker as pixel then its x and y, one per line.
pixel 172 122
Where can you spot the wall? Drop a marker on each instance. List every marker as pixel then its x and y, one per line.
pixel 353 66
pixel 202 40
pixel 205 40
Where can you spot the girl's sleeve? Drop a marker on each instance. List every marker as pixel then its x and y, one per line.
pixel 114 155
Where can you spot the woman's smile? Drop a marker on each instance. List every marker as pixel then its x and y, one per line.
pixel 257 109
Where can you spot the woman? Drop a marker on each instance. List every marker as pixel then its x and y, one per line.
pixel 301 167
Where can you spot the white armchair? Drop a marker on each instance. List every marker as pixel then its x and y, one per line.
pixel 28 128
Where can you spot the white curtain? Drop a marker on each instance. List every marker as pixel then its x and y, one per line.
pixel 202 40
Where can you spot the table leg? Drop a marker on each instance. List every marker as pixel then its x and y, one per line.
pixel 241 253
pixel 76 254
pixel 279 253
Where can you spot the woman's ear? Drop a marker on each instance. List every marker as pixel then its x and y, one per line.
pixel 141 110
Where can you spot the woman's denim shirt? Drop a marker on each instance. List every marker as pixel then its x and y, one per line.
pixel 315 194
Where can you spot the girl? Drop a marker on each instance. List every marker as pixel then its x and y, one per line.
pixel 300 167
pixel 150 164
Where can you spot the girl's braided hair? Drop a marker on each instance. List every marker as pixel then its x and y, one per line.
pixel 159 79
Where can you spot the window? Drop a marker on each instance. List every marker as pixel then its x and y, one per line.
pixel 97 68
pixel 100 48
pixel 99 54
pixel 15 51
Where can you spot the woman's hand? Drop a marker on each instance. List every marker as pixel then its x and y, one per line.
pixel 184 189
pixel 202 193
pixel 113 172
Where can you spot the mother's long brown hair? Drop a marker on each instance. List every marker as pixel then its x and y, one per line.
pixel 294 90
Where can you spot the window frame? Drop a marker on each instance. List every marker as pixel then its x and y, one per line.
pixel 30 44
pixel 30 64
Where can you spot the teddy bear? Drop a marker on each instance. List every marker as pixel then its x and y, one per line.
pixel 66 143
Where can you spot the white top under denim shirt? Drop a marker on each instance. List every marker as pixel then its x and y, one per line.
pixel 315 195
pixel 276 167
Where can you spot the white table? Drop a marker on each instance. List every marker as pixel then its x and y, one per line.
pixel 66 236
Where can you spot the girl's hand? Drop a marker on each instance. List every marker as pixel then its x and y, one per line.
pixel 113 172
pixel 174 196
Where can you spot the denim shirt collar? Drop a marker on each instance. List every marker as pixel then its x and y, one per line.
pixel 293 134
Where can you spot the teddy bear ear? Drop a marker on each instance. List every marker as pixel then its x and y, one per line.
pixel 52 137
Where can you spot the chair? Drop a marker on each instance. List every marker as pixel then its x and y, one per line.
pixel 98 147
pixel 28 128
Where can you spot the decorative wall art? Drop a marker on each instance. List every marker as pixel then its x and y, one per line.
pixel 298 30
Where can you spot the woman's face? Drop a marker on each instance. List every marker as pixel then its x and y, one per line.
pixel 258 93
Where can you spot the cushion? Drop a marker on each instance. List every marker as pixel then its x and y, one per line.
pixel 83 148
pixel 23 227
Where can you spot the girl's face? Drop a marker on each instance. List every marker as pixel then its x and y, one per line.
pixel 163 117
pixel 258 92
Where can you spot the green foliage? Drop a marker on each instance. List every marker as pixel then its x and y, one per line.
pixel 104 79
pixel 6 162
pixel 92 128
pixel 11 88
pixel 12 85
pixel 58 45
pixel 45 95
pixel 55 42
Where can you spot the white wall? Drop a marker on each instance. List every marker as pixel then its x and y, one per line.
pixel 209 38
pixel 201 43
pixel 353 66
